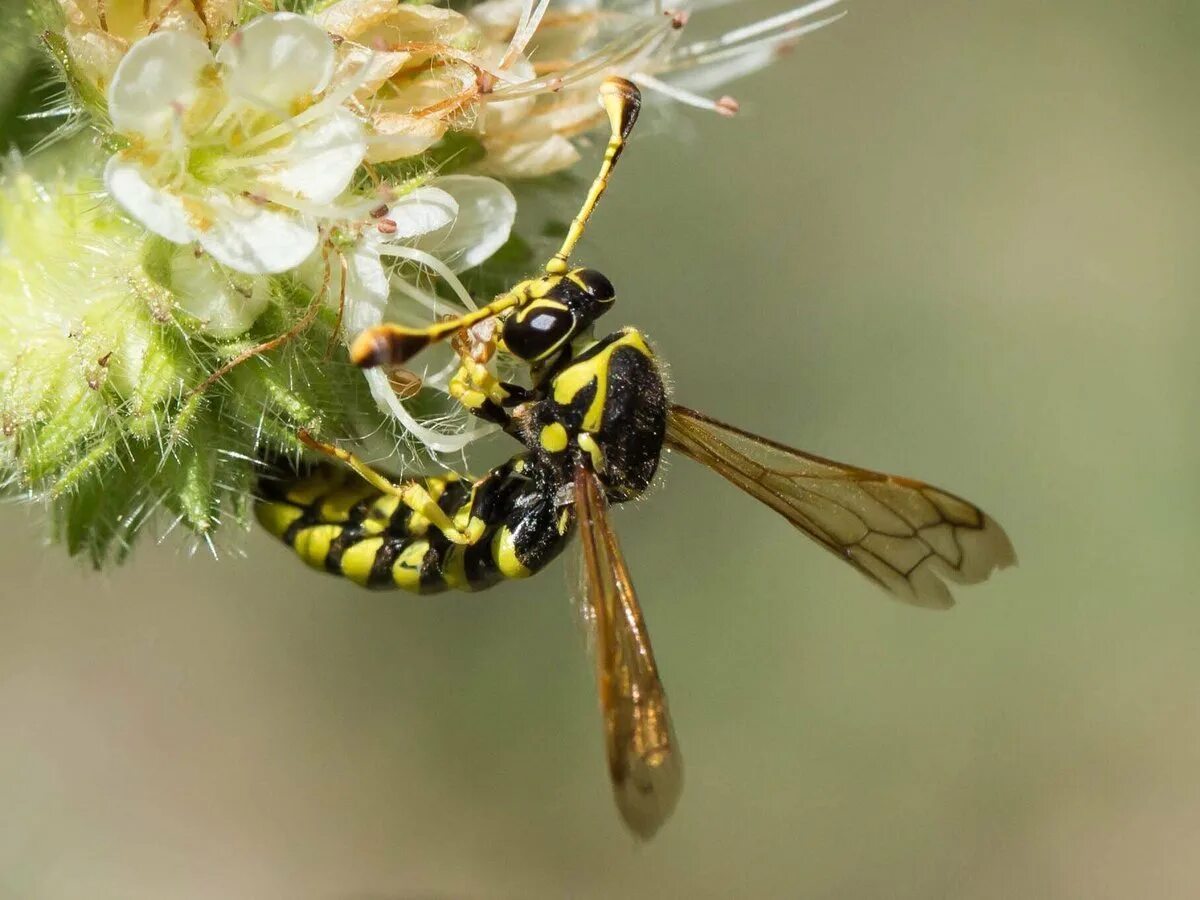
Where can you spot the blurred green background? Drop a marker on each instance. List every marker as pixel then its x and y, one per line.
pixel 950 239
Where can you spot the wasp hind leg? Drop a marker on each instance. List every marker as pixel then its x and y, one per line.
pixel 411 493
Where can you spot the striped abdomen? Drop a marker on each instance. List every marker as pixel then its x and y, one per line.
pixel 338 523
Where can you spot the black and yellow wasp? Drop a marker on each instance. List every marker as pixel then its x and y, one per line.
pixel 594 420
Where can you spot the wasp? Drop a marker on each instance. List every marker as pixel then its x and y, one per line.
pixel 593 422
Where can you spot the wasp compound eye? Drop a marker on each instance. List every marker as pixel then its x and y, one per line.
pixel 596 285
pixel 539 330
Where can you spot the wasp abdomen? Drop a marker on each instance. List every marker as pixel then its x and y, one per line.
pixel 338 523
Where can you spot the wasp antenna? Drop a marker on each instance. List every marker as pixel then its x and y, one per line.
pixel 395 345
pixel 622 101
pixel 389 345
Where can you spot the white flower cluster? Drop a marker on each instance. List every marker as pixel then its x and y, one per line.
pixel 257 148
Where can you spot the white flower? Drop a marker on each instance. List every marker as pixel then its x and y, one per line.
pixel 445 227
pixel 529 123
pixel 97 33
pixel 244 152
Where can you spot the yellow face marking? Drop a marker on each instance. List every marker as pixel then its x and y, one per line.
pixel 579 375
pixel 358 559
pixel 406 571
pixel 312 544
pixel 276 517
pixel 504 552
pixel 553 438
pixel 537 306
pixel 537 288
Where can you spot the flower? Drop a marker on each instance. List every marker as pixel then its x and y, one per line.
pixel 449 225
pixel 417 69
pixel 530 120
pixel 98 33
pixel 245 152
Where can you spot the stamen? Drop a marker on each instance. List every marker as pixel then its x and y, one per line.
pixel 531 18
pixel 438 442
pixel 686 59
pixel 625 47
pixel 432 262
pixel 331 100
pixel 725 106
pixel 762 26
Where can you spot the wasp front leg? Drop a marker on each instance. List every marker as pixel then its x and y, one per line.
pixel 412 493
pixel 474 385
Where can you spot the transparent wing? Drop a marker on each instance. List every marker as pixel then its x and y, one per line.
pixel 905 535
pixel 643 757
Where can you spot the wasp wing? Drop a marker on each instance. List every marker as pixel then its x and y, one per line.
pixel 643 758
pixel 905 535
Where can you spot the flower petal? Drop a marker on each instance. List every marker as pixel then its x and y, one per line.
pixel 211 295
pixel 532 159
pixel 158 81
pixel 486 210
pixel 324 157
pixel 350 18
pixel 277 60
pixel 421 211
pixel 256 239
pixel 396 136
pixel 162 212
pixel 367 287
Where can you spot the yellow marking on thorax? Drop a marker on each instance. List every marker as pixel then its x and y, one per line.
pixel 553 438
pixel 504 552
pixel 276 517
pixel 406 570
pixel 312 544
pixel 577 376
pixel 358 559
pixel 588 444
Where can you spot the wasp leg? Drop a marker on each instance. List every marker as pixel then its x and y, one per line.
pixel 395 344
pixel 411 493
pixel 473 385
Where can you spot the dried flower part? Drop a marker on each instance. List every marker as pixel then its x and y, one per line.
pixel 529 123
pixel 415 70
pixel 98 33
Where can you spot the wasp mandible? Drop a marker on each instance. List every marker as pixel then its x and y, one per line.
pixel 593 421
